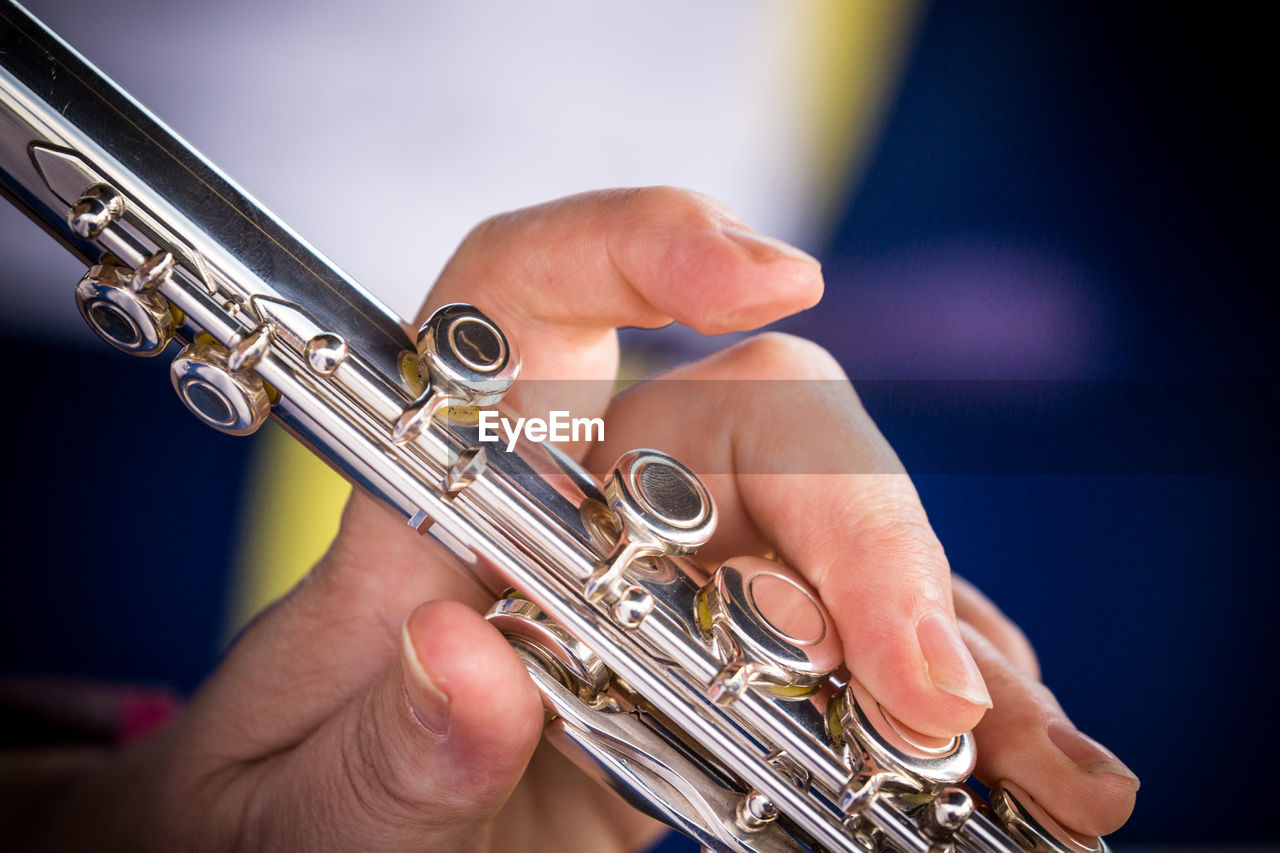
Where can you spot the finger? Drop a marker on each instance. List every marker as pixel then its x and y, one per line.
pixel 800 465
pixel 973 607
pixel 1026 738
pixel 560 277
pixel 422 758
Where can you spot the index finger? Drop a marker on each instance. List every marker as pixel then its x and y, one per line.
pixel 559 278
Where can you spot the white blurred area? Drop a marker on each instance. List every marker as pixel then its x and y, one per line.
pixel 382 131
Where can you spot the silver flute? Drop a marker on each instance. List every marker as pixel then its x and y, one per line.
pixel 721 708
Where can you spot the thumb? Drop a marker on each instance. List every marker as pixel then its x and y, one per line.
pixel 425 755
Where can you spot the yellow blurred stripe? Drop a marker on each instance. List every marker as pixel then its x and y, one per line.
pixel 853 53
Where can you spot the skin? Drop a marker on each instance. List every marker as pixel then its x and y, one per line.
pixel 374 708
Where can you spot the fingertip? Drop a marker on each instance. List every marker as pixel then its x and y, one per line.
pixel 695 261
pixel 948 663
pixel 901 640
pixel 423 756
pixel 891 665
pixel 1102 808
pixel 1098 792
pixel 1092 805
pixel 627 257
pixel 1081 836
pixel 930 711
pixel 745 280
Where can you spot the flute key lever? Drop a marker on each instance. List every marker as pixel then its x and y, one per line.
pixel 768 629
pixel 466 360
pixel 98 207
pixel 125 310
pixel 659 508
pixel 228 397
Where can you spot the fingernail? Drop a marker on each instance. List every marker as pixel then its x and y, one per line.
pixel 951 668
pixel 763 249
pixel 427 702
pixel 1089 755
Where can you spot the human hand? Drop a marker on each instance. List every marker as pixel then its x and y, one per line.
pixel 375 708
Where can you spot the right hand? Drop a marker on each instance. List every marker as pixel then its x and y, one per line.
pixel 374 708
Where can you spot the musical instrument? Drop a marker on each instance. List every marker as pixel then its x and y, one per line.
pixel 721 708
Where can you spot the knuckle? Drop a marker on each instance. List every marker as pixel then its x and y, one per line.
pixel 1031 705
pixel 907 544
pixel 988 620
pixel 1023 703
pixel 484 232
pixel 893 525
pixel 485 252
pixel 369 773
pixel 683 207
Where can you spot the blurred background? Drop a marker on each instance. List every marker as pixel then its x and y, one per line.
pixel 1046 231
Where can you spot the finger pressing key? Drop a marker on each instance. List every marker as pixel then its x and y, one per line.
pixel 763 423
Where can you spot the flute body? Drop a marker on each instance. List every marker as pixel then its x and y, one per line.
pixel 681 695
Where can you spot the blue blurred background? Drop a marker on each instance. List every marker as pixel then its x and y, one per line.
pixel 1066 221
pixel 1084 192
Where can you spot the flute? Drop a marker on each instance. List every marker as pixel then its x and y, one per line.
pixel 696 701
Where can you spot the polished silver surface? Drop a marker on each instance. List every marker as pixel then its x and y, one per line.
pixel 656 499
pixel 606 602
pixel 948 811
pixel 153 272
pixel 325 352
pixel 94 210
pixel 555 649
pixel 630 751
pixel 229 400
pixel 768 629
pixel 466 361
pixel 755 811
pixel 133 319
pixel 878 743
pixel 659 508
pixel 248 349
